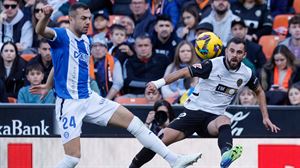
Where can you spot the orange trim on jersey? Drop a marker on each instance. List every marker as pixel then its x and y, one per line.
pixel 203 4
pixel 92 68
pixel 286 79
pixel 109 68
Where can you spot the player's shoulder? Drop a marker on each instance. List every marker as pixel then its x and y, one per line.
pixel 245 69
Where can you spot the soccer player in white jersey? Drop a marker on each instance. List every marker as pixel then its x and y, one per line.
pixel 75 100
pixel 220 79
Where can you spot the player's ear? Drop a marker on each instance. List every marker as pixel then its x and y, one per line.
pixel 245 54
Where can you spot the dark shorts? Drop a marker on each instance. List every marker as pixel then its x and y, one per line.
pixel 190 121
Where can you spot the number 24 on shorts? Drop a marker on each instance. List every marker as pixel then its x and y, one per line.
pixel 69 123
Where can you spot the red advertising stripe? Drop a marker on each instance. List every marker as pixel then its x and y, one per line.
pixel 19 155
pixel 278 156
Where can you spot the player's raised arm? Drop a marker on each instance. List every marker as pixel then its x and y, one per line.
pixel 263 108
pixel 41 26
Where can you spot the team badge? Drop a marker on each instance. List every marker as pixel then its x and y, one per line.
pixel 239 82
pixel 258 13
pixel 66 135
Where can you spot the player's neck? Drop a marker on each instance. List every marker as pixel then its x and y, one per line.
pixel 74 32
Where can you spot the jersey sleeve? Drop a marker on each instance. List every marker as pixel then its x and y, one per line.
pixel 201 70
pixel 58 38
pixel 253 82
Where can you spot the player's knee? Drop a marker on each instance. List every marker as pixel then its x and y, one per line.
pixel 222 120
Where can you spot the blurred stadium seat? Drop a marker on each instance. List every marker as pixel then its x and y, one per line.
pixel 296 6
pixel 125 100
pixel 12 100
pixel 27 57
pixel 268 43
pixel 280 24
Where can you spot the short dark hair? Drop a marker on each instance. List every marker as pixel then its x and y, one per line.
pixel 294 20
pixel 76 6
pixel 117 27
pixel 34 66
pixel 237 40
pixel 41 41
pixel 144 36
pixel 165 103
pixel 163 18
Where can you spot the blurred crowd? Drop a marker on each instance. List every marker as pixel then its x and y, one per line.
pixel 138 41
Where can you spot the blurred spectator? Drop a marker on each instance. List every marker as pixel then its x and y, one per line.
pixel 26 6
pixel 143 19
pixel 204 27
pixel 100 24
pixel 203 6
pixel 12 69
pixel 254 51
pixel 201 28
pixel 278 74
pixel 108 70
pixel 293 42
pixel 38 13
pixel 119 47
pixel 294 94
pixel 143 67
pixel 43 58
pixel 35 75
pixel 257 17
pixel 161 115
pixel 165 39
pixel 63 22
pixel 221 18
pixel 278 7
pixel 190 19
pixel 165 7
pixel 128 23
pixel 61 7
pixel 117 36
pixel 184 56
pixel 246 97
pixel 152 97
pixel 3 97
pixel 15 26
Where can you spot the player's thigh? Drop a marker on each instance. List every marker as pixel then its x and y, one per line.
pixel 72 147
pixel 214 125
pixel 105 112
pixel 69 116
pixel 172 135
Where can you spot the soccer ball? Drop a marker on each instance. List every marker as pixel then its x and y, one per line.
pixel 208 45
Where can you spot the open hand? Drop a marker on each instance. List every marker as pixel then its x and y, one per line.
pixel 270 126
pixel 39 89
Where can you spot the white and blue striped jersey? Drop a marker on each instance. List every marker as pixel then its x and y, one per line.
pixel 70 57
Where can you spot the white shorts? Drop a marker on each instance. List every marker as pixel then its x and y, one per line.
pixel 70 113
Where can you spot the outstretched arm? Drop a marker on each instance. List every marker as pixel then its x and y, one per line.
pixel 41 26
pixel 263 108
pixel 184 72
